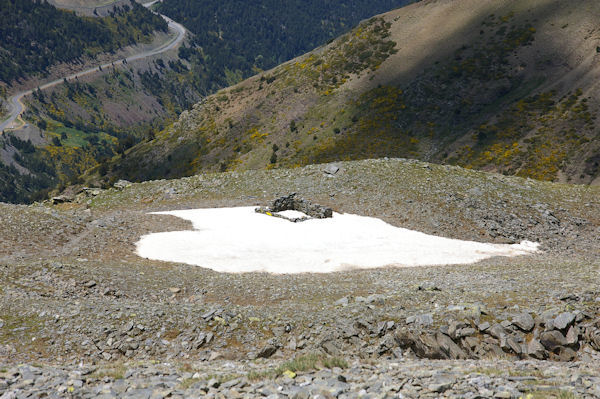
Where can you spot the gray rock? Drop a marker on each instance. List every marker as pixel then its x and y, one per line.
pixel 121 184
pixel 291 203
pixel 566 354
pixel 441 385
pixel 449 347
pixel 90 284
pixel 484 326
pixel 330 348
pixel 514 345
pixel 376 299
pixel 61 199
pixel 421 320
pixel 424 345
pixel 301 394
pixel 506 323
pixel 465 332
pixel 552 339
pixel 524 321
pixel 497 331
pixel 331 169
pixel 572 335
pixel 563 320
pixel 342 301
pixel 348 331
pixel 455 326
pixel 267 351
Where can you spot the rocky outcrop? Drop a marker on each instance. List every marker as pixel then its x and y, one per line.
pixel 558 338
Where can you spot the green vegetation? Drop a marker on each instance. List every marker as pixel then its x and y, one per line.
pixel 479 108
pixel 550 394
pixel 84 130
pixel 23 330
pixel 299 364
pixel 116 372
pixel 201 143
pixel 559 128
pixel 234 39
pixel 36 35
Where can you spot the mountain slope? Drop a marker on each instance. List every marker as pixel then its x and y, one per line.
pixel 88 120
pixel 233 39
pixel 508 86
pixel 36 35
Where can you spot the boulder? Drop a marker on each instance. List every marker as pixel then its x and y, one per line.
pixel 524 322
pixel 497 331
pixel 536 350
pixel 449 347
pixel 420 320
pixel 61 199
pixel 121 184
pixel 331 169
pixel 573 335
pixel 552 339
pixel 423 345
pixel 331 348
pixel 267 351
pixel 563 320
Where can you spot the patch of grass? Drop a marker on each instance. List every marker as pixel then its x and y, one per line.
pixel 309 362
pixel 116 372
pixel 188 382
pixel 20 328
pixel 492 372
pixel 172 334
pixel 556 394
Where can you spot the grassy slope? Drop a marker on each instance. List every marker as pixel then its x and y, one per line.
pixel 506 86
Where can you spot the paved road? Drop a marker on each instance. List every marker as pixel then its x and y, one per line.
pixel 16 105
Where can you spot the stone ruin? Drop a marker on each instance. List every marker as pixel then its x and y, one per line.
pixel 293 203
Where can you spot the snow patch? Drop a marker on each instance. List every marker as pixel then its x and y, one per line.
pixel 291 214
pixel 238 240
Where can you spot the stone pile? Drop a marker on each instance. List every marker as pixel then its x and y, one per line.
pixel 548 336
pixel 292 203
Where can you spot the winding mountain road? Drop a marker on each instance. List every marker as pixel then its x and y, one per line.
pixel 15 103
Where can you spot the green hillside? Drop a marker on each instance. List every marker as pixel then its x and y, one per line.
pixel 480 85
pixel 233 39
pixel 36 35
pixel 86 123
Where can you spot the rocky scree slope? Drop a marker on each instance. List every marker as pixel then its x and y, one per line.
pixel 507 86
pixel 73 291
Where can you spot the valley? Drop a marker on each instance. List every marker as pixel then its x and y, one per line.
pixel 17 108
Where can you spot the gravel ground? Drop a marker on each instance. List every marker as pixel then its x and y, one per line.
pixel 81 314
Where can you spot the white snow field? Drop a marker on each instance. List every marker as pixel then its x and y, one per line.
pixel 238 240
